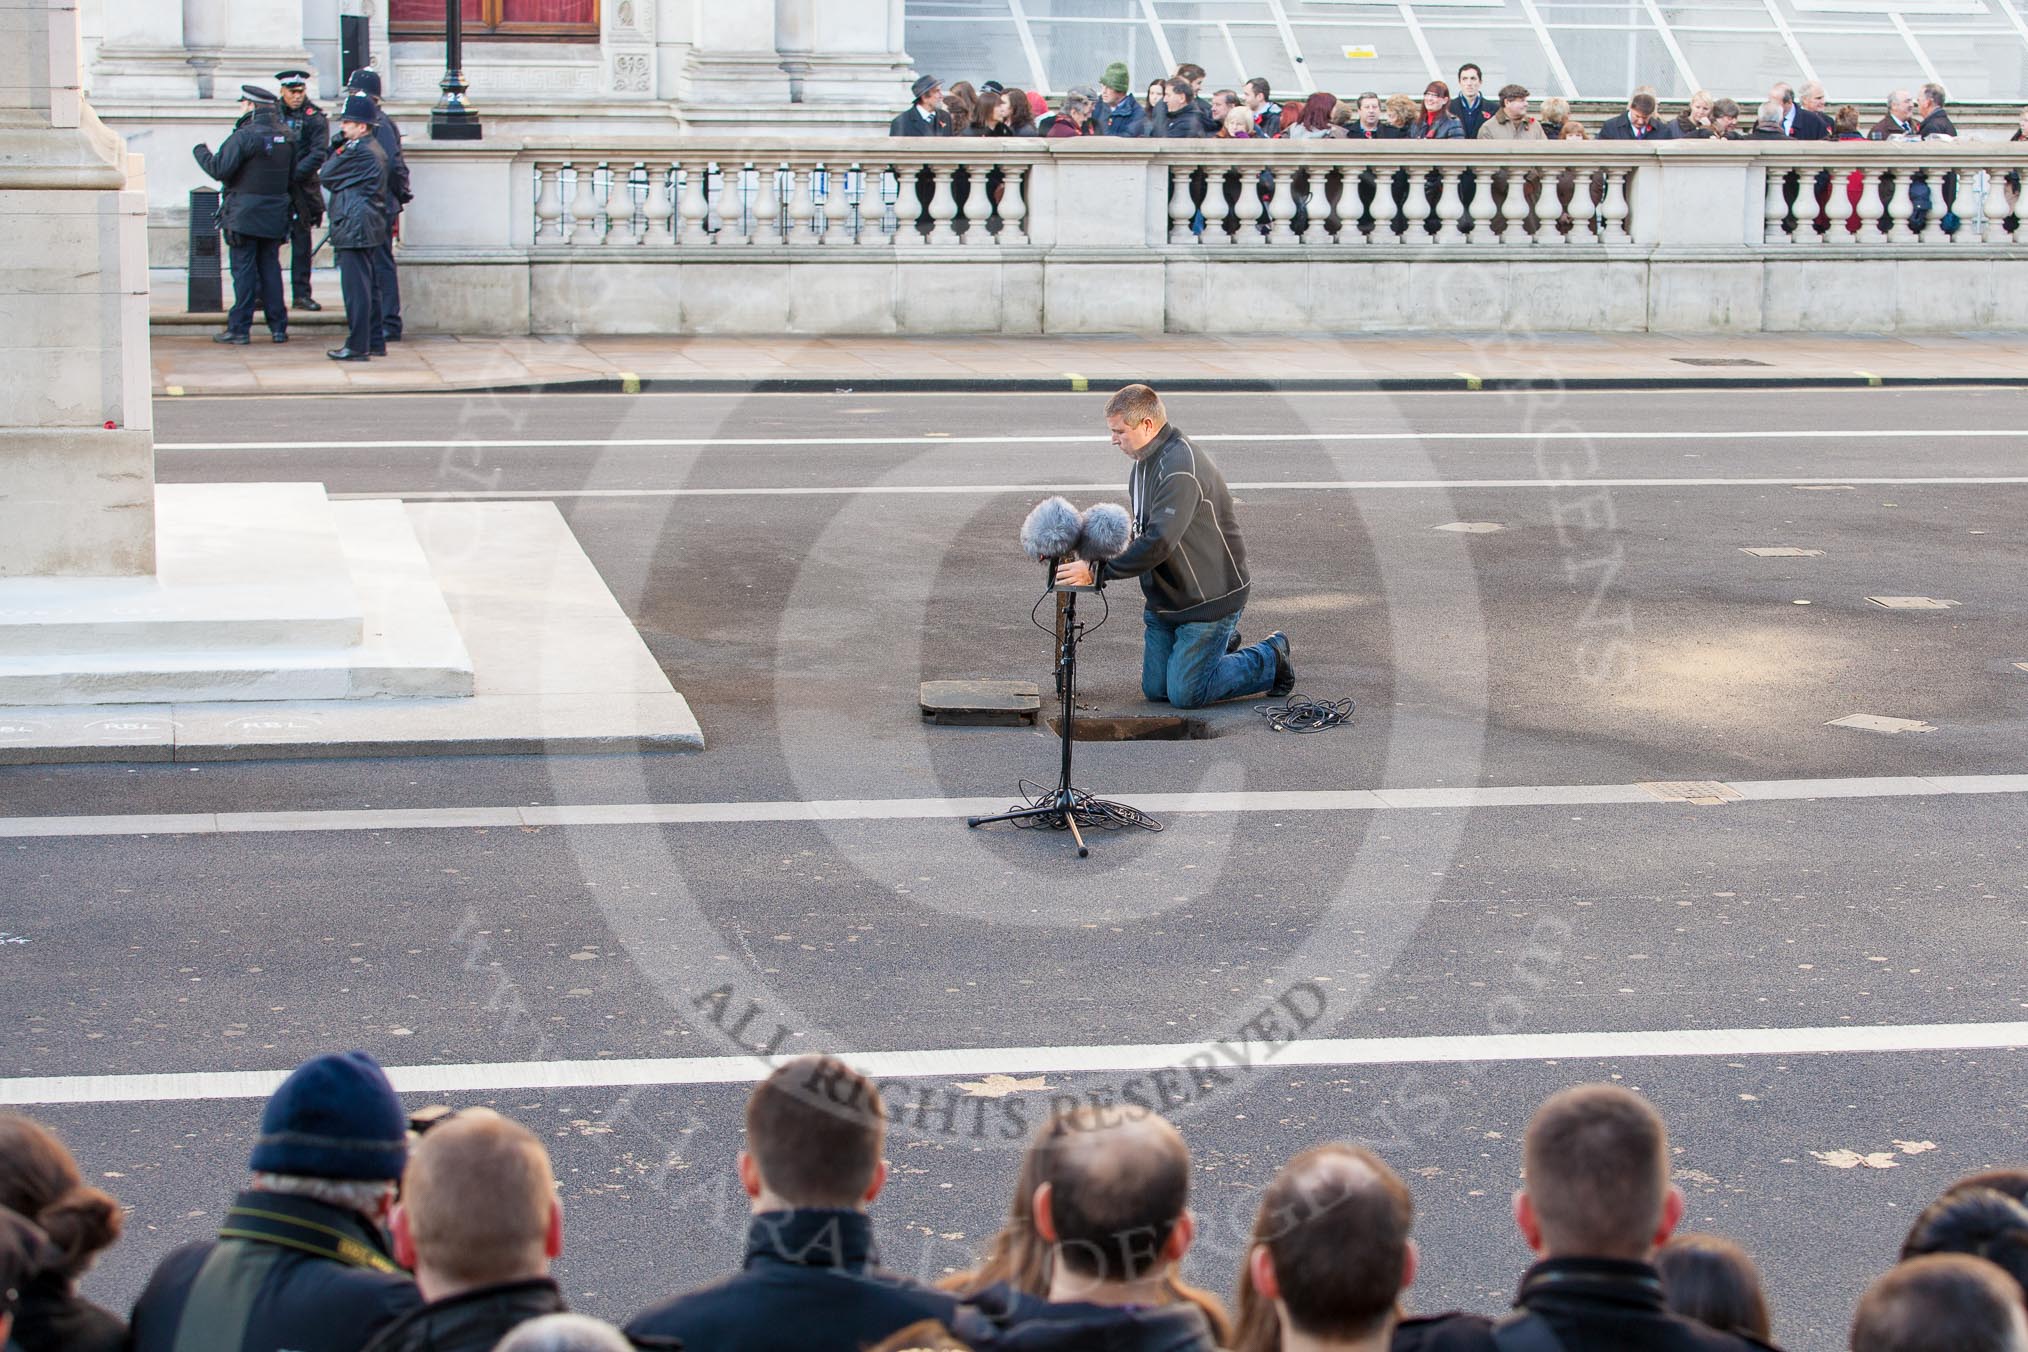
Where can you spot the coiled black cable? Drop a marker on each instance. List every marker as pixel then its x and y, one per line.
pixel 1302 714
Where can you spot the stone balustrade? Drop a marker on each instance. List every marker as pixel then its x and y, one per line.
pixel 857 234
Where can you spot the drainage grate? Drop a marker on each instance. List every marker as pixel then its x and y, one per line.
pixel 1911 602
pixel 1704 792
pixel 1134 728
pixel 1718 361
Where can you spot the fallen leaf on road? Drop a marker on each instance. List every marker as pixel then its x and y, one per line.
pixel 997 1085
pixel 1852 1159
pixel 1915 1147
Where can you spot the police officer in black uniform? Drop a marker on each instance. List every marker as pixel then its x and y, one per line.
pixel 312 131
pixel 254 166
pixel 386 284
pixel 357 177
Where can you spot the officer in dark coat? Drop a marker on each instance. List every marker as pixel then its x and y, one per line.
pixel 306 204
pixel 357 177
pixel 254 166
pixel 291 1269
pixel 386 283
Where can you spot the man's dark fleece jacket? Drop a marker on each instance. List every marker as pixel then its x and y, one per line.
pixel 1186 550
pixel 1000 1319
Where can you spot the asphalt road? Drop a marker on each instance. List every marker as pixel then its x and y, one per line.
pixel 1602 635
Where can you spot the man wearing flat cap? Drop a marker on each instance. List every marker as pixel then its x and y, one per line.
pixel 927 117
pixel 307 123
pixel 254 167
pixel 302 1260
pixel 386 280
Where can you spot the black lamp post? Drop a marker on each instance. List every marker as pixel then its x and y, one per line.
pixel 452 119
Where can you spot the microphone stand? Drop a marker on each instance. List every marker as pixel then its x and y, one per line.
pixel 1067 807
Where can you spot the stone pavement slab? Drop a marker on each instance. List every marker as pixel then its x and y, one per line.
pixel 446 363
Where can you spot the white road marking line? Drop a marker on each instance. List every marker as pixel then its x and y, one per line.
pixel 952 1063
pixel 1082 439
pixel 1256 486
pixel 951 809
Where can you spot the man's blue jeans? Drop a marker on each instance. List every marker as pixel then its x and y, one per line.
pixel 1187 665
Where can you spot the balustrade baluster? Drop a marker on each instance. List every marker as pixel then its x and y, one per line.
pixel 1414 208
pixel 767 204
pixel 911 211
pixel 656 227
pixel 872 207
pixel 943 207
pixel 1514 210
pixel 620 227
pixel 1014 206
pixel 802 205
pixel 1775 208
pixel 1450 207
pixel 1613 218
pixel 1870 208
pixel 1901 207
pixel 1996 208
pixel 693 206
pixel 1181 208
pixel 1932 223
pixel 584 205
pixel 548 202
pixel 1281 208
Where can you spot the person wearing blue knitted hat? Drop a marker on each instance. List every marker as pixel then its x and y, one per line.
pixel 302 1260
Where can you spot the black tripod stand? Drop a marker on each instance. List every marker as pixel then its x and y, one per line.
pixel 1067 807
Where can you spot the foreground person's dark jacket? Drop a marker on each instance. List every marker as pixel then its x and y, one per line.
pixel 1591 1305
pixel 55 1318
pixel 473 1321
pixel 1000 1319
pixel 1186 550
pixel 810 1284
pixel 284 1272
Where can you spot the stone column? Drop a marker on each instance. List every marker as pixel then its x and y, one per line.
pixel 141 56
pixel 77 458
pixel 844 52
pixel 732 71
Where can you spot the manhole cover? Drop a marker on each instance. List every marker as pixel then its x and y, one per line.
pixel 1781 552
pixel 1911 602
pixel 1718 361
pixel 1880 723
pixel 995 704
pixel 1134 728
pixel 1473 527
pixel 1704 792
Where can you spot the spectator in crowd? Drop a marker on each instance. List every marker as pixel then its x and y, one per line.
pixel 1329 1258
pixel 958 103
pixel 1723 124
pixel 1982 1222
pixel 1158 91
pixel 1437 122
pixel 1182 115
pixel 1402 112
pixel 1797 122
pixel 1768 127
pixel 1222 104
pixel 479 1224
pixel 24 1253
pixel 1112 1205
pixel 989 116
pixel 39 1181
pixel 1238 125
pixel 1595 1203
pixel 1929 112
pixel 1344 114
pixel 1021 114
pixel 1313 121
pixel 1555 112
pixel 1692 119
pixel 1944 1302
pixel 305 1238
pixel 1038 108
pixel 1119 114
pixel 1267 114
pixel 566 1333
pixel 1813 100
pixel 2013 1182
pixel 1845 124
pixel 1714 1282
pixel 1470 107
pixel 812 1164
pixel 927 116
pixel 1367 123
pixel 1573 130
pixel 1192 75
pixel 1018 1257
pixel 1900 118
pixel 1512 122
pixel 1637 123
pixel 1072 118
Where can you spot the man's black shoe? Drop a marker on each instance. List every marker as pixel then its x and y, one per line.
pixel 1285 671
pixel 376 351
pixel 1235 643
pixel 344 354
pixel 282 336
pixel 393 337
pixel 236 339
pixel 305 303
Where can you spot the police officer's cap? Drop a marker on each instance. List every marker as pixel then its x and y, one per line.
pixel 925 85
pixel 365 82
pixel 292 79
pixel 359 108
pixel 255 94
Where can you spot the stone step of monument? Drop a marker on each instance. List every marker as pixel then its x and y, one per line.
pixel 326 323
pixel 397 637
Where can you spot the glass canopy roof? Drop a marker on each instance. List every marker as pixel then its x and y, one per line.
pixel 1594 49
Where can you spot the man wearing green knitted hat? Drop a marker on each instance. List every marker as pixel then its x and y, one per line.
pixel 1118 113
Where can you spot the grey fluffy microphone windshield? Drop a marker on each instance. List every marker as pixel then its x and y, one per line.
pixel 1107 531
pixel 1051 531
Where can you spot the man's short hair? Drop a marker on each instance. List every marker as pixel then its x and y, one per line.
pixel 1943 1302
pixel 564 1333
pixel 1178 86
pixel 1136 403
pixel 1076 104
pixel 1473 67
pixel 1644 104
pixel 1188 72
pixel 1118 1183
pixel 1231 96
pixel 1771 115
pixel 1782 92
pixel 815 1129
pixel 1258 86
pixel 1335 1221
pixel 479 1193
pixel 1508 93
pixel 1934 92
pixel 1369 94
pixel 1983 1222
pixel 2013 1182
pixel 1724 108
pixel 1597 1171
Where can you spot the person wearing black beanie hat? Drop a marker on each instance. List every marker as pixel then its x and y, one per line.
pixel 302 1260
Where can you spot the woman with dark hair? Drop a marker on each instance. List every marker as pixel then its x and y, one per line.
pixel 1021 114
pixel 1982 1222
pixel 958 101
pixel 1437 122
pixel 989 117
pixel 1313 123
pixel 1714 1282
pixel 39 1180
pixel 1018 1256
